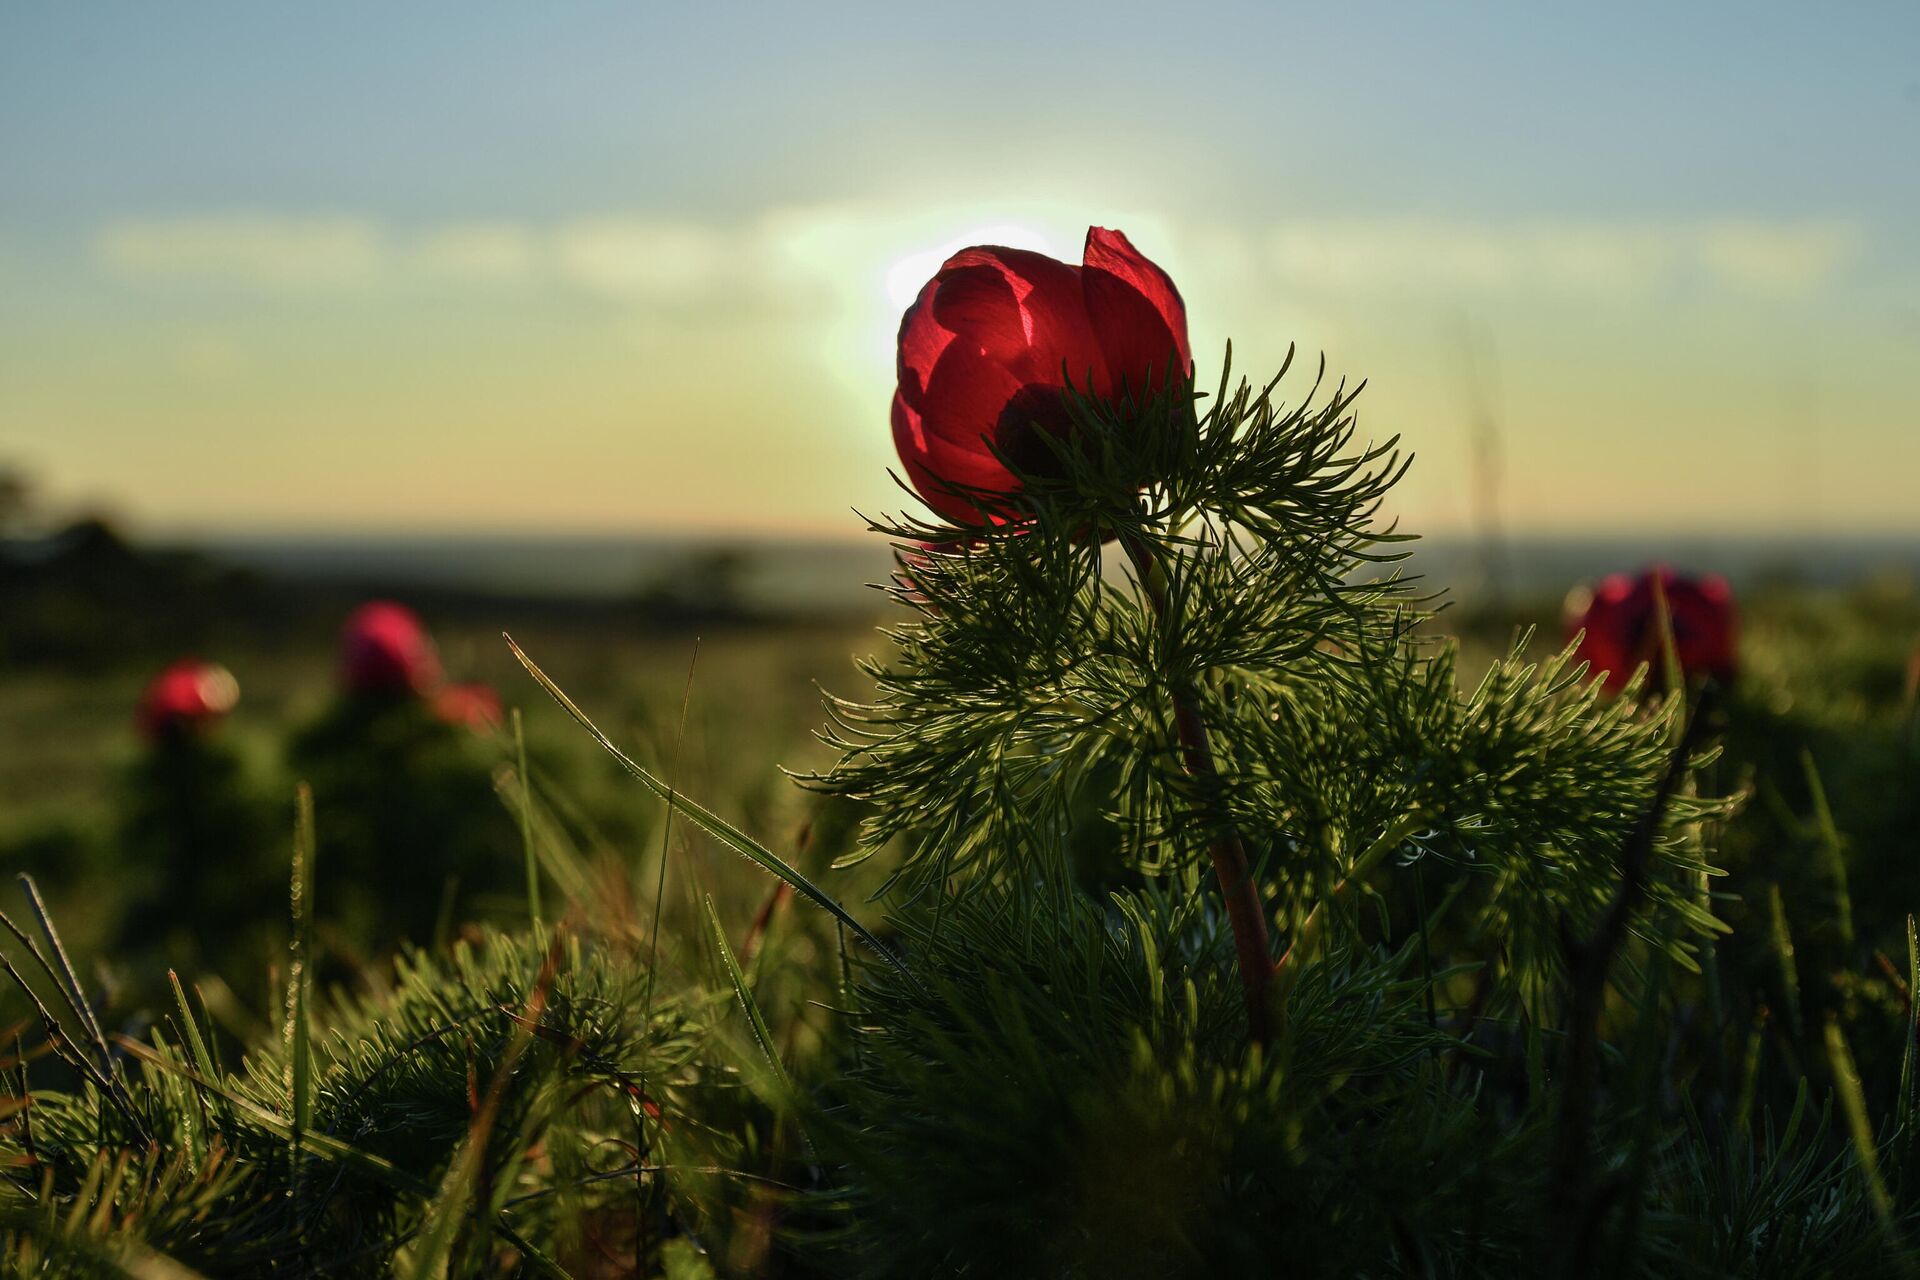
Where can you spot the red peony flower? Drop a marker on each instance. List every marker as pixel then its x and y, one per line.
pixel 1620 621
pixel 385 651
pixel 185 698
pixel 993 340
pixel 472 706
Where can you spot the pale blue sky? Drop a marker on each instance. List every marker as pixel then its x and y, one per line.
pixel 441 265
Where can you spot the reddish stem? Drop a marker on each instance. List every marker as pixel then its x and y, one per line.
pixel 1230 866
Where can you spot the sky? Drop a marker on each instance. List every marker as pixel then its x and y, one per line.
pixel 638 267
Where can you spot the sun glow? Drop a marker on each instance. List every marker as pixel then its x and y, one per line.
pixel 906 274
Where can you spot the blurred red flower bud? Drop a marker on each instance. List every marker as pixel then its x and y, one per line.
pixel 1620 622
pixel 184 698
pixel 472 706
pixel 993 340
pixel 385 651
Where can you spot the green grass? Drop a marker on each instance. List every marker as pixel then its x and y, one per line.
pixel 751 707
pixel 1829 665
pixel 1821 737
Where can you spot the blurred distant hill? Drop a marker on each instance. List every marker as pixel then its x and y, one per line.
pixel 813 577
pixel 779 575
pixel 84 597
pixel 76 593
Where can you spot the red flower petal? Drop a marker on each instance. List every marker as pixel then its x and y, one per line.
pixel 1614 589
pixel 1702 626
pixel 1138 314
pixel 1025 310
pixel 385 650
pixel 974 300
pixel 966 396
pixel 932 464
pixel 1606 644
pixel 922 340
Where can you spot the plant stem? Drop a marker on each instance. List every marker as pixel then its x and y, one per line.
pixel 1245 913
pixel 1575 1200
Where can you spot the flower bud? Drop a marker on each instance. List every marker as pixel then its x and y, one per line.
pixel 185 698
pixel 386 652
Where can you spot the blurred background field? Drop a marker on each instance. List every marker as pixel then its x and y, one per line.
pixel 744 636
pixel 87 620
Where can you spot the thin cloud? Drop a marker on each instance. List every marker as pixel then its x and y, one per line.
pixel 644 259
pixel 675 263
pixel 1779 260
pixel 480 253
pixel 1582 259
pixel 267 252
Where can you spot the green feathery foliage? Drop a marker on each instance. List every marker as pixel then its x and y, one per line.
pixel 547 1042
pixel 1032 694
pixel 1182 634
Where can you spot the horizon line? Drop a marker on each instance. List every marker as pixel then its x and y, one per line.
pixel 813 533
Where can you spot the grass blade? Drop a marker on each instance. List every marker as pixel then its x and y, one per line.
pixel 196 1046
pixel 711 823
pixel 104 1074
pixel 1750 1074
pixel 68 979
pixel 300 974
pixel 447 1212
pixel 761 1031
pixel 203 1060
pixel 526 821
pixel 1853 1101
pixel 1783 956
pixel 1832 850
pixel 1904 1109
pixel 531 1254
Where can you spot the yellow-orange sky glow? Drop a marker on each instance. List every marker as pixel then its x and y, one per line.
pixel 347 271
